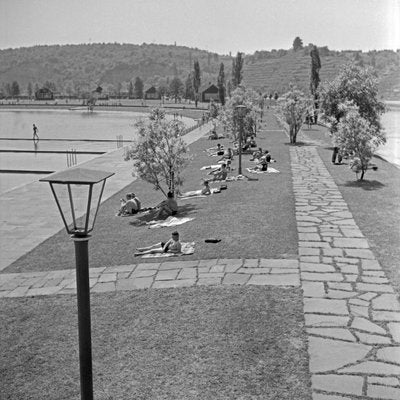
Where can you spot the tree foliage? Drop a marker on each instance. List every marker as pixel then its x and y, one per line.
pixel 159 153
pixel 15 90
pixel 297 43
pixel 176 88
pixel 292 108
pixel 196 80
pixel 237 73
pixel 315 67
pixel 231 118
pixel 355 85
pixel 189 90
pixel 138 88
pixel 221 84
pixel 358 137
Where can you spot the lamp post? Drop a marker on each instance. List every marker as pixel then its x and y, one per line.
pixel 73 190
pixel 242 110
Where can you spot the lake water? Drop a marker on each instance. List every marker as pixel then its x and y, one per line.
pixel 63 130
pixel 59 131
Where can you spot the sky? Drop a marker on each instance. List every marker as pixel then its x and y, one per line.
pixel 220 26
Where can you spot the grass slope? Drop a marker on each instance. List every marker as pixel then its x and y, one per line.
pixel 197 343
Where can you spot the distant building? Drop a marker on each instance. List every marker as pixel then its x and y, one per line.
pixel 209 92
pixel 152 93
pixel 44 94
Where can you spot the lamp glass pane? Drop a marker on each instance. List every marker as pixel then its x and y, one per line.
pixel 73 200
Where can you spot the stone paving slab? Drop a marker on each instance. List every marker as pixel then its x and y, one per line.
pixel 156 276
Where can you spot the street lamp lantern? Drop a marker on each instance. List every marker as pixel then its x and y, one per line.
pixel 75 190
pixel 242 111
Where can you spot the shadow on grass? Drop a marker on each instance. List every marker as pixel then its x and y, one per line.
pixel 365 184
pixel 300 144
pixel 184 210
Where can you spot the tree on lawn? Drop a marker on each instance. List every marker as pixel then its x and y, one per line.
pixel 196 81
pixel 221 84
pixel 29 90
pixel 159 153
pixel 292 107
pixel 357 136
pixel 315 67
pixel 138 88
pixel 176 88
pixel 356 85
pixel 230 117
pixel 297 44
pixel 237 66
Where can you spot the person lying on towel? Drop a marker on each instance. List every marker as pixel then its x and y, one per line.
pixel 220 174
pixel 172 246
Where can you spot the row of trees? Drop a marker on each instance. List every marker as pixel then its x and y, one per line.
pixel 349 105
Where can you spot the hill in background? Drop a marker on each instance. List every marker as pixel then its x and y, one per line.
pixel 75 69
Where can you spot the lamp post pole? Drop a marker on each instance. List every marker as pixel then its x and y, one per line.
pixel 240 145
pixel 84 324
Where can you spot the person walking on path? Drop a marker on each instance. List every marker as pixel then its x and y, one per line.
pixel 35 131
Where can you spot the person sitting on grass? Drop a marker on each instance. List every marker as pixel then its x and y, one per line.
pixel 173 245
pixel 206 190
pixel 250 142
pixel 213 135
pixel 129 206
pixel 167 207
pixel 220 174
pixel 228 155
pixel 257 154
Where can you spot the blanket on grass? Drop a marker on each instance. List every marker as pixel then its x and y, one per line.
pixel 187 248
pixel 170 221
pixel 270 170
pixel 196 194
pixel 210 167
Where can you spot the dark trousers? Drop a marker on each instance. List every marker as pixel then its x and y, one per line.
pixel 336 154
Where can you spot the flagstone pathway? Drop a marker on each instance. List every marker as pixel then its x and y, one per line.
pixel 352 315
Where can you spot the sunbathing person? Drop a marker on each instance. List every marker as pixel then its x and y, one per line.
pixel 250 142
pixel 167 207
pixel 129 206
pixel 220 174
pixel 228 155
pixel 216 151
pixel 257 154
pixel 172 246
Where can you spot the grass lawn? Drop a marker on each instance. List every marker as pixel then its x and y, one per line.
pixel 194 343
pixel 253 219
pixel 374 203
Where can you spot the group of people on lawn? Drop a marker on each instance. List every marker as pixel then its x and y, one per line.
pixel 169 207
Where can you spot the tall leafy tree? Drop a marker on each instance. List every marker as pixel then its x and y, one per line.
pixel 15 91
pixel 292 108
pixel 356 135
pixel 237 73
pixel 196 81
pixel 221 84
pixel 297 43
pixel 29 90
pixel 130 90
pixel 159 153
pixel 189 90
pixel 138 88
pixel 355 85
pixel 315 67
pixel 176 88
